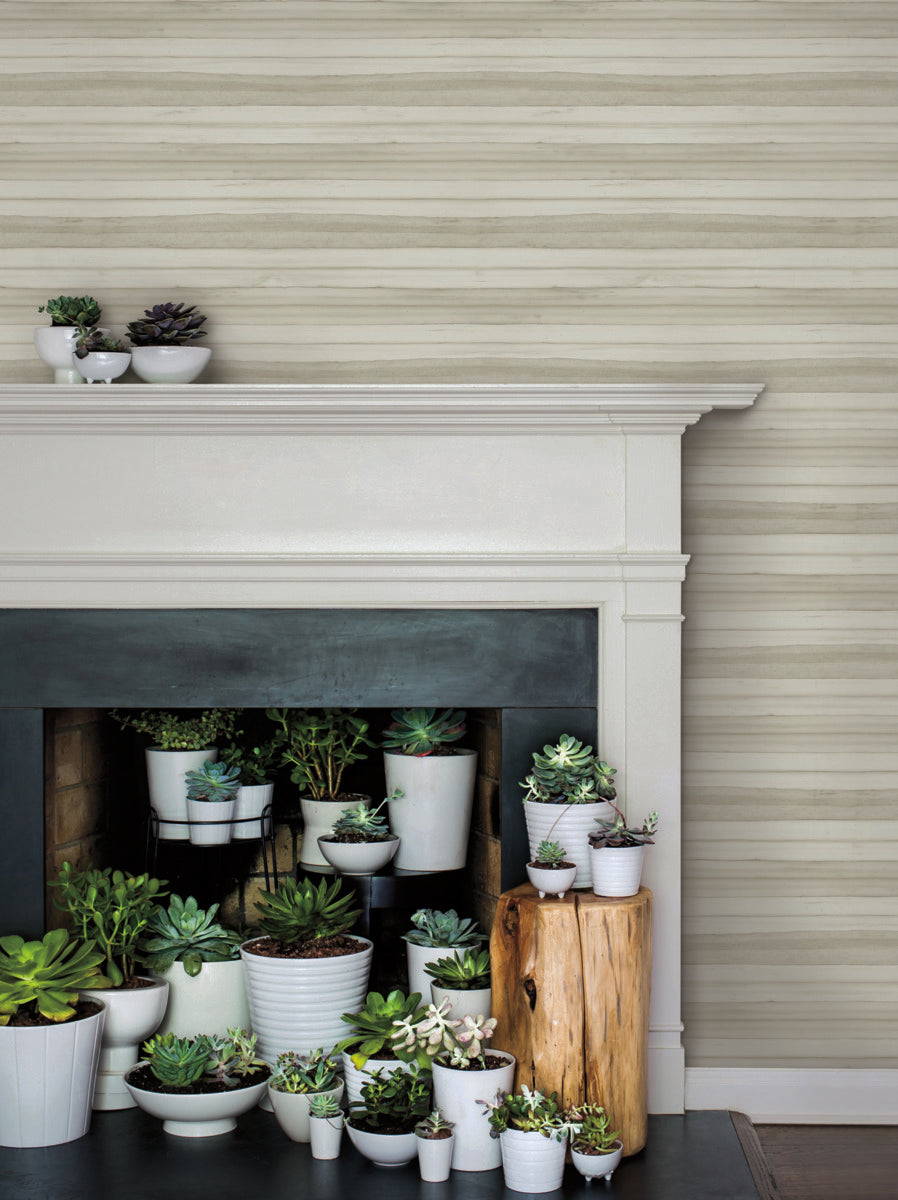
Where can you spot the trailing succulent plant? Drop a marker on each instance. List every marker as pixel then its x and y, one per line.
pixel 531 1112
pixel 170 731
pixel 72 310
pixel 615 833
pixel 47 974
pixel 398 1098
pixel 462 972
pixel 373 1026
pixel 419 731
pixel 232 1058
pixel 301 912
pixel 434 1126
pixel 188 934
pixel 214 781
pixel 550 855
pixel 178 1062
pixel 90 341
pixel 593 1134
pixel 435 928
pixel 167 324
pixel 363 824
pixel 569 773
pixel 306 1074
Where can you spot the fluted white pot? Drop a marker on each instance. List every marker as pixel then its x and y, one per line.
pixel 210 821
pixel 568 824
pixel 355 1077
pixel 295 1004
pixel 166 778
pixel 132 1015
pixel 212 1002
pixel 455 1094
pixel 197 1116
pixel 597 1166
pixel 463 1001
pixel 435 1158
pixel 616 870
pixel 384 1149
pixel 55 345
pixel 550 882
pixel 433 816
pixel 531 1162
pixel 325 1135
pixel 252 799
pixel 418 957
pixel 291 1109
pixel 358 858
pixel 47 1077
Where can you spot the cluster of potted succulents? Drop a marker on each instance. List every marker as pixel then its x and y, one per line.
pixel 436 932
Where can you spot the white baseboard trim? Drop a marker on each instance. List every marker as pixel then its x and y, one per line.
pixel 799 1096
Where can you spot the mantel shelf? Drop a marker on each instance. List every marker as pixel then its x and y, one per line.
pixel 363 409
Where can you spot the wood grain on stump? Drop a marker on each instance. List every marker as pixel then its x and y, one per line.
pixel 571 983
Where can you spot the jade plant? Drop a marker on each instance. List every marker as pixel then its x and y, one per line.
pixel 167 324
pixel 83 311
pixel 256 764
pixel 43 977
pixel 187 934
pixel 569 773
pixel 299 912
pixel 435 928
pixel 420 731
pixel 616 833
pixel 462 972
pixel 373 1027
pixel 319 745
pixel 171 731
pixel 213 782
pixel 305 1074
pixel 395 1100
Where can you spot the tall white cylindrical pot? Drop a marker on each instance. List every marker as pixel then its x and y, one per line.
pixel 616 870
pixel 291 1110
pixel 210 822
pixel 325 1135
pixel 476 1001
pixel 531 1162
pixel 295 1004
pixel 252 799
pixel 568 824
pixel 433 816
pixel 435 1158
pixel 166 777
pixel 418 957
pixel 455 1094
pixel 132 1015
pixel 212 1002
pixel 355 1077
pixel 47 1077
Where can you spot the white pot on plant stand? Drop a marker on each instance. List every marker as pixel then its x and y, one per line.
pixel 210 821
pixel 252 800
pixel 166 777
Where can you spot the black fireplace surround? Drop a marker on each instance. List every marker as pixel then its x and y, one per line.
pixel 539 666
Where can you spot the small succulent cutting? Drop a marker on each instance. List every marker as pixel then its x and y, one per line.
pixel 91 341
pixel 214 781
pixel 419 731
pixel 550 855
pixel 363 824
pixel 72 310
pixel 167 324
pixel 324 1106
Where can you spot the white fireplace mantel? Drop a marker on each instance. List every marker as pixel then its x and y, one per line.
pixel 456 496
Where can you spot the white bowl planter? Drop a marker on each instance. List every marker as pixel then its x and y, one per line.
pixel 435 1158
pixel 291 1109
pixel 212 1002
pixel 355 1077
pixel 325 1135
pixel 210 821
pixel 433 816
pixel 47 1077
pixel 384 1149
pixel 169 364
pixel 358 858
pixel 252 800
pixel 531 1162
pixel 418 957
pixel 166 771
pixel 455 1094
pixel 132 1015
pixel 551 882
pixel 196 1116
pixel 55 345
pixel 569 824
pixel 464 1001
pixel 597 1166
pixel 102 364
pixel 616 870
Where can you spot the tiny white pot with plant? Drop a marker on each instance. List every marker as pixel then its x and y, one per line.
pixel 551 881
pixel 597 1165
pixel 435 1157
pixel 291 1109
pixel 102 364
pixel 616 854
pixel 167 780
pixel 325 1136
pixel 531 1162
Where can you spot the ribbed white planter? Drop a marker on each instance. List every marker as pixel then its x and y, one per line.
pixel 455 1094
pixel 568 824
pixel 433 816
pixel 132 1014
pixel 435 1158
pixel 461 1002
pixel 418 957
pixel 549 882
pixel 252 798
pixel 358 858
pixel 616 870
pixel 210 821
pixel 291 1109
pixel 295 1004
pixel 47 1078
pixel 531 1162
pixel 355 1077
pixel 597 1166
pixel 325 1135
pixel 166 770
pixel 384 1149
pixel 197 1116
pixel 212 1002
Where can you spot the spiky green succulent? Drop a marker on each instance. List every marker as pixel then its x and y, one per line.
pixel 167 324
pixel 72 310
pixel 549 854
pixel 418 731
pixel 324 1106
pixel 47 974
pixel 363 824
pixel 569 773
pixel 89 341
pixel 176 1061
pixel 435 928
pixel 214 781
pixel 462 972
pixel 187 934
pixel 301 912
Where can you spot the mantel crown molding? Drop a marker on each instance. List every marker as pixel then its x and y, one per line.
pixel 361 409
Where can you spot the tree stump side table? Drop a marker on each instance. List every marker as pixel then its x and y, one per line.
pixel 571 982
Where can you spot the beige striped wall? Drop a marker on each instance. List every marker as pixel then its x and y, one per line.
pixel 482 190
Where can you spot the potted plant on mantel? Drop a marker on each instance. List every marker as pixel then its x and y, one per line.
pixel 360 842
pixel 616 854
pixel 211 796
pixel 54 343
pixel 381 1125
pixel 533 1130
pixel 98 355
pixel 550 872
pixel 436 780
pixel 434 933
pixel 298 1078
pixel 164 344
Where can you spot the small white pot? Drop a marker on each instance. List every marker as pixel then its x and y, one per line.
pixel 616 870
pixel 462 1002
pixel 325 1135
pixel 292 1110
pixel 569 824
pixel 197 1116
pixel 355 1077
pixel 455 1094
pixel 549 882
pixel 597 1166
pixel 212 1002
pixel 384 1149
pixel 252 799
pixel 531 1162
pixel 132 1015
pixel 435 1158
pixel 358 858
pixel 433 816
pixel 318 817
pixel 166 778
pixel 169 364
pixel 55 345
pixel 418 957
pixel 102 364
pixel 210 821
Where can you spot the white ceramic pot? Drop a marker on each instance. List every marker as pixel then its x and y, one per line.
pixel 197 1116
pixel 435 1158
pixel 295 1004
pixel 55 345
pixel 549 882
pixel 318 817
pixel 210 821
pixel 597 1166
pixel 291 1110
pixel 355 1077
pixel 616 870
pixel 212 1002
pixel 166 771
pixel 384 1149
pixel 531 1162
pixel 252 799
pixel 325 1135
pixel 169 364
pixel 102 364
pixel 569 824
pixel 47 1077
pixel 358 858
pixel 455 1094
pixel 418 957
pixel 462 1002
pixel 433 816
pixel 132 1015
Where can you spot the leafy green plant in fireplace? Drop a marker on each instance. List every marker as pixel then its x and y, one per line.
pixel 298 912
pixel 47 974
pixel 171 731
pixel 319 745
pixel 419 731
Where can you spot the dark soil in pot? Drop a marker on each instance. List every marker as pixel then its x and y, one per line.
pixel 330 947
pixel 143 1078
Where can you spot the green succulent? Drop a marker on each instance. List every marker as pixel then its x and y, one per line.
pixel 173 732
pixel 255 763
pixel 569 773
pixel 305 1073
pixel 594 1132
pixel 232 1058
pixel 615 833
pixel 214 782
pixel 319 745
pixel 433 1125
pixel 549 854
pixel 167 324
pixel 531 1112
pixel 418 731
pixel 47 974
pixel 301 912
pixel 92 340
pixel 72 310
pixel 324 1106
pixel 434 928
pixel 373 1026
pixel 462 972
pixel 187 934
pixel 363 824
pixel 176 1061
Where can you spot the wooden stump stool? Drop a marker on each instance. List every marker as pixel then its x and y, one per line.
pixel 571 985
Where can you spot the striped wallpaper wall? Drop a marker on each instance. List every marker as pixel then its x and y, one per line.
pixel 561 190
